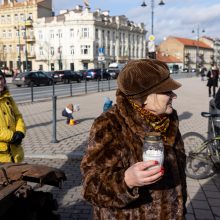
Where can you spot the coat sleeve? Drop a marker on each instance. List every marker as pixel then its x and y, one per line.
pixel 181 161
pixel 103 171
pixel 217 99
pixel 20 125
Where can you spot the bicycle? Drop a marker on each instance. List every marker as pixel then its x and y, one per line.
pixel 202 155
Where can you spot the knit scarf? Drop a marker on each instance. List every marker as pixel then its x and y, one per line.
pixel 159 123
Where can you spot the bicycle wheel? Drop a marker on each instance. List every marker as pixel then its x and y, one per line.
pixel 198 165
pixel 198 162
pixel 192 140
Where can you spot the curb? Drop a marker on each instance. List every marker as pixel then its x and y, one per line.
pixel 70 156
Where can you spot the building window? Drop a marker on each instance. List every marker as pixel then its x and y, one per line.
pixel 8 18
pixel 60 34
pixel 103 35
pixel 10 48
pixel 113 36
pixel 30 15
pixel 40 35
pixel 3 34
pixel 9 34
pixel 97 50
pixel 17 48
pixel 21 17
pixel 72 33
pixel 72 50
pixel 16 33
pixel 59 50
pixel 52 51
pixel 85 49
pixel 85 32
pixel 4 48
pixel 51 34
pixel 2 19
pixel 41 51
pixel 23 33
pixel 16 17
pixel 108 35
pixel 96 33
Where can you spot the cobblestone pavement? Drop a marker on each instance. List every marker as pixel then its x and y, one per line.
pixel 204 195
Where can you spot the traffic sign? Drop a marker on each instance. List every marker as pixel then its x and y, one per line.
pixel 101 51
pixel 151 38
pixel 101 58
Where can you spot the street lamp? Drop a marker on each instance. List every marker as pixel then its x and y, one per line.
pixel 197 46
pixel 17 28
pixel 60 53
pixel 152 54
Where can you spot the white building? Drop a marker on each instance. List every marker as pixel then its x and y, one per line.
pixel 74 40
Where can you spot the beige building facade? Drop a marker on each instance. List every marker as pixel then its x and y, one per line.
pixel 17 40
pixel 191 53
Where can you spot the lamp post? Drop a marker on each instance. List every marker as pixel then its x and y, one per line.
pixel 197 46
pixel 26 53
pixel 152 54
pixel 19 47
pixel 60 53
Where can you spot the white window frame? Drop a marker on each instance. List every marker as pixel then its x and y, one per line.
pixel 41 51
pixel 85 32
pixel 85 49
pixel 72 50
pixel 71 33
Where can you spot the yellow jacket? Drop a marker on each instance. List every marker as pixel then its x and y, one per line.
pixel 10 121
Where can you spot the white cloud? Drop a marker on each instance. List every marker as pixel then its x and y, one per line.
pixel 180 19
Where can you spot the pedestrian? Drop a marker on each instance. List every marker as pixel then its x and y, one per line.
pixel 68 113
pixel 202 73
pixel 12 126
pixel 107 104
pixel 217 99
pixel 116 180
pixel 213 75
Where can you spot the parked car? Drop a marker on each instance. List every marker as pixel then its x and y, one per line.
pixel 185 70
pixel 67 76
pixel 53 76
pixel 81 73
pixel 96 74
pixel 114 69
pixel 32 78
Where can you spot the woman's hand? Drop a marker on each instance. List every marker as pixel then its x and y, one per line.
pixel 139 174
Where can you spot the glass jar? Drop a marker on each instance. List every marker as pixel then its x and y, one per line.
pixel 153 149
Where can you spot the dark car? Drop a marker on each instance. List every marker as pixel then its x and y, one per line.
pixel 53 76
pixel 113 72
pixel 81 73
pixel 67 76
pixel 32 78
pixel 97 74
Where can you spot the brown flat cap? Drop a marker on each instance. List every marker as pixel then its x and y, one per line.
pixel 146 76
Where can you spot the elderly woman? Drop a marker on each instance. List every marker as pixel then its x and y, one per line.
pixel 117 181
pixel 12 127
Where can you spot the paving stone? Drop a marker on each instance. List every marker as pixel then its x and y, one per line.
pixel 203 214
pixel 200 204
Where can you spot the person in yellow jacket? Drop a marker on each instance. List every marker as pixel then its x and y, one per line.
pixel 12 126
